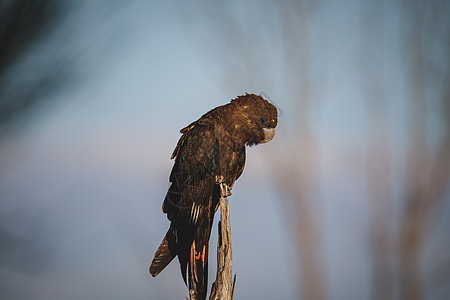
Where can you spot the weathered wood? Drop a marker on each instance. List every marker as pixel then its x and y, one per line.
pixel 223 287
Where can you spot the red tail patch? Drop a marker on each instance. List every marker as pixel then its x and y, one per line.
pixel 202 255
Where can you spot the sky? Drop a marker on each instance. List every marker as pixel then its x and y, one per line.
pixel 83 181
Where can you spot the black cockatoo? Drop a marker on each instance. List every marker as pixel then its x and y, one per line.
pixel 214 145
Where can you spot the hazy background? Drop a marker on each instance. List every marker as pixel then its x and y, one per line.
pixel 351 199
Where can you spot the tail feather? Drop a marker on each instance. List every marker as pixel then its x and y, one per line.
pixel 163 255
pixel 198 270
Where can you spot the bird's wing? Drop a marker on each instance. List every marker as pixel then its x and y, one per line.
pixel 196 164
pixel 191 199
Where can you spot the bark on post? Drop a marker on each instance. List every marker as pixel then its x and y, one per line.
pixel 223 287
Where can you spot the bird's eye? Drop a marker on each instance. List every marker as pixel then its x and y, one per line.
pixel 262 120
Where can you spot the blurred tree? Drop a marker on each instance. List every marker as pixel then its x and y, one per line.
pixel 298 185
pixel 425 32
pixel 427 173
pixel 23 25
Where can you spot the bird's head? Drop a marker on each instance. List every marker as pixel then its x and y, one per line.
pixel 254 118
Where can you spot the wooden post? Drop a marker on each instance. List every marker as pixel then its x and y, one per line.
pixel 223 287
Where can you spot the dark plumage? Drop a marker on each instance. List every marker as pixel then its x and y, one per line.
pixel 212 145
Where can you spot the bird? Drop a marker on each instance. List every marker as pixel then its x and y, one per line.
pixel 214 145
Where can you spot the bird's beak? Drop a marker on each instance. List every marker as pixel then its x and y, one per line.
pixel 269 133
